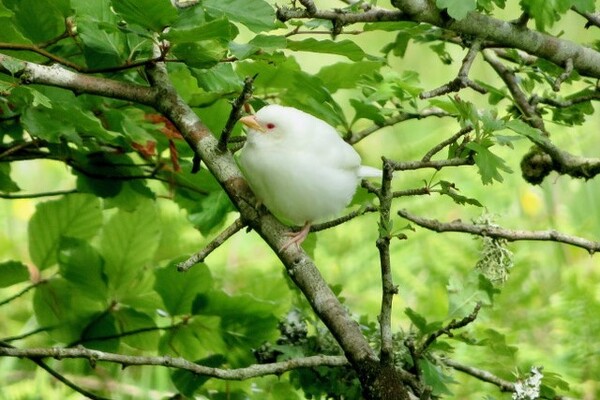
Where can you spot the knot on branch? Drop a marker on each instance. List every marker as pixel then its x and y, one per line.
pixel 536 166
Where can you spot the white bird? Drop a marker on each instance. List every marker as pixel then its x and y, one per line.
pixel 299 167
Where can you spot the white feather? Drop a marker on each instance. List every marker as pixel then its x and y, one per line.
pixel 301 169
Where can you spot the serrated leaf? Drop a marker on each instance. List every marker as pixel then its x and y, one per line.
pixel 488 164
pixel 345 48
pixel 76 216
pixel 154 15
pixel 12 272
pixel 257 15
pixel 367 111
pixel 128 243
pixel 178 290
pixel 449 189
pixel 457 9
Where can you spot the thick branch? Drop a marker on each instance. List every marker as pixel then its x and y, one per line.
pixel 497 232
pixel 63 78
pixel 585 60
pixel 344 18
pixel 179 363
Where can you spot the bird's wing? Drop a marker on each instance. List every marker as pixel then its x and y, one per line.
pixel 329 147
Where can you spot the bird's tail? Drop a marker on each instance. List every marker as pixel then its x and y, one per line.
pixel 369 172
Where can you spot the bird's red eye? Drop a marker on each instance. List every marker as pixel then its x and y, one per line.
pixel 270 126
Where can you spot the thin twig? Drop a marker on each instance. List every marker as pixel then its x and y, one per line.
pixel 485 376
pixel 354 138
pixel 435 164
pixel 199 257
pixel 123 334
pixel 446 142
pixel 238 374
pixel 236 111
pixel 387 282
pixel 338 221
pixel 42 364
pixel 564 76
pixel 593 19
pixel 26 334
pixel 462 80
pixel 497 232
pixel 36 195
pixel 566 103
pixel 451 326
pixel 22 292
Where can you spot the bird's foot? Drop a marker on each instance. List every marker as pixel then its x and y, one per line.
pixel 296 238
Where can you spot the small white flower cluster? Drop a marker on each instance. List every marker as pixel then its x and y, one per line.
pixel 529 389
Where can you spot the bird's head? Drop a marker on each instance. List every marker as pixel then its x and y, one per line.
pixel 273 120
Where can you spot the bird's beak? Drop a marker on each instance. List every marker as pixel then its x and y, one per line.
pixel 251 122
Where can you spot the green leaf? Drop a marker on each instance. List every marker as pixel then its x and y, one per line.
pixel 524 129
pixel 212 211
pixel 489 164
pixel 346 75
pixel 200 337
pixel 60 305
pixel 256 15
pixel 417 319
pixel 219 29
pixel 103 43
pixel 128 243
pixel 40 20
pixel 76 216
pixel 219 79
pixel 203 54
pixel 457 9
pixel 154 15
pixel 435 377
pixel 7 185
pixel 188 382
pixel 345 48
pixel 12 65
pixel 81 264
pixel 12 272
pixel 449 189
pixel 129 320
pixel 179 289
pixel 367 111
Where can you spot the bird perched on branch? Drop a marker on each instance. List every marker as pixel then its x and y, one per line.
pixel 299 167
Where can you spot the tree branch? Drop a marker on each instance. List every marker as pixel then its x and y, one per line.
pixel 199 257
pixel 353 138
pixel 485 376
pixel 10 196
pixel 501 233
pixel 436 149
pixel 388 289
pixel 462 80
pixel 236 112
pixel 447 330
pixel 238 374
pixel 435 164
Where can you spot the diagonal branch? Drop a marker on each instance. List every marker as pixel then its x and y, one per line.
pixel 356 137
pixel 497 232
pixel 199 257
pixel 238 374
